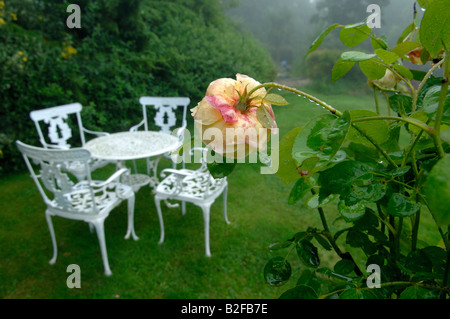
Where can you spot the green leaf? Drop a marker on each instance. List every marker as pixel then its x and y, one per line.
pixel 344 267
pixel 352 35
pixel 431 101
pixel 417 292
pixel 280 245
pixel 432 81
pixel 356 238
pixel 277 271
pixel 379 42
pixel 367 222
pixel 356 56
pixel 308 165
pixel 401 206
pixel 410 28
pixel 287 169
pixel 404 48
pixel 418 262
pixel 377 130
pixel 220 170
pixel 387 57
pixel 316 43
pixel 401 103
pixel 437 256
pixel 301 188
pixel 321 239
pixel 275 99
pixel 418 116
pixel 314 202
pixel 399 171
pixel 301 236
pixel 264 117
pixel 403 71
pixel 321 137
pixel 342 179
pixel 418 75
pixel 308 254
pixel 357 293
pixel 309 278
pixel 363 152
pixel 372 69
pixel 437 190
pixel 351 213
pixel 340 69
pixel 435 27
pixel 299 292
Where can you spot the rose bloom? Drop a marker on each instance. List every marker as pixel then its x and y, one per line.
pixel 415 56
pixel 227 118
pixel 388 81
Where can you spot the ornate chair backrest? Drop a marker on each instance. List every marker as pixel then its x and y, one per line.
pixel 56 185
pixel 166 112
pixel 55 120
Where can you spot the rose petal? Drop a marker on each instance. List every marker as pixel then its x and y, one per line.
pixel 222 104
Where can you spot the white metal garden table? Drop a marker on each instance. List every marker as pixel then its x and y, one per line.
pixel 126 146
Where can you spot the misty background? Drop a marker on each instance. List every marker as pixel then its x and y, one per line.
pixel 286 28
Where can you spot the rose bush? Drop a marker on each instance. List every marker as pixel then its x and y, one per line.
pixel 381 188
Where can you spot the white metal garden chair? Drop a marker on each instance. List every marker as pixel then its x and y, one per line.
pixel 165 119
pixel 195 186
pixel 88 200
pixel 56 121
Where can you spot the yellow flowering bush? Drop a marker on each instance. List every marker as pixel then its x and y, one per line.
pixel 4 16
pixel 68 51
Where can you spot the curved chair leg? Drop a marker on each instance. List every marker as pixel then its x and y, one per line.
pixel 206 212
pixel 130 230
pixel 52 235
pixel 161 222
pixel 99 227
pixel 225 195
pixel 91 227
pixel 183 208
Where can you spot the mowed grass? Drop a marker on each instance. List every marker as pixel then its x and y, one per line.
pixel 257 209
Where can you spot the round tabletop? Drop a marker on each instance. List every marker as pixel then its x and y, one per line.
pixel 131 145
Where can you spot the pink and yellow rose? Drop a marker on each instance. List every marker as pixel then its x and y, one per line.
pixel 227 117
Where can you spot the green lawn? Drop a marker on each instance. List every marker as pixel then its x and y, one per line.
pixel 257 209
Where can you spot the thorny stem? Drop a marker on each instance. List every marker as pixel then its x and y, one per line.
pixel 375 96
pixel 331 240
pixel 422 83
pixel 440 110
pixel 414 122
pixel 296 91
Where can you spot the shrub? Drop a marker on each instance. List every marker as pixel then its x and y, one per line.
pixel 124 49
